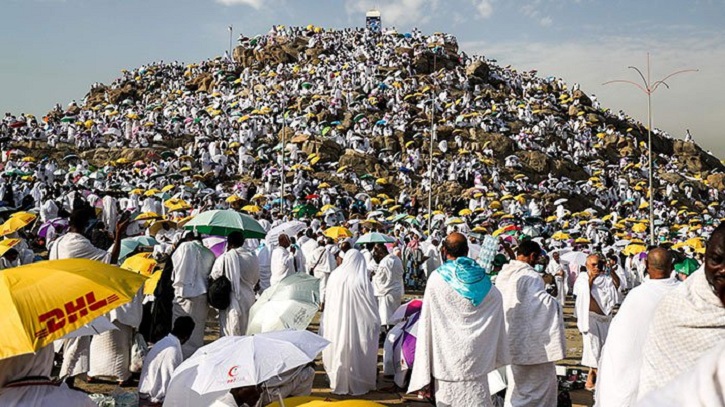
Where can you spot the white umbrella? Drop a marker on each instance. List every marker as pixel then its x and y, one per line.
pixel 578 258
pixel 238 361
pixel 560 201
pixel 290 304
pixel 291 229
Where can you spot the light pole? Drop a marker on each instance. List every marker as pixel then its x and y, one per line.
pixel 649 88
pixel 430 163
pixel 231 30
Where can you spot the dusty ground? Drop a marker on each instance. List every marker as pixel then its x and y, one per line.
pixel 387 394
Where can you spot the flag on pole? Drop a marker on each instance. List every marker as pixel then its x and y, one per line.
pixel 230 28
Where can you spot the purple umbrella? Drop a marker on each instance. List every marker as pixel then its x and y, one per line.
pixel 59 224
pixel 409 338
pixel 217 244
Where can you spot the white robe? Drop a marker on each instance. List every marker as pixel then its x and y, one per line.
pixel 352 324
pixel 282 264
pixel 388 287
pixel 321 263
pixel 594 327
pixel 688 322
pixel 44 395
pixel 76 351
pixel 158 366
pixel 701 386
pixel 192 265
pixel 619 368
pixel 241 267
pixel 535 329
pixel 110 353
pixel 458 344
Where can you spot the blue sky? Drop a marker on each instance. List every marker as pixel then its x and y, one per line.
pixel 52 50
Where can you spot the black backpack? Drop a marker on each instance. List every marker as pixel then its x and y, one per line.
pixel 219 293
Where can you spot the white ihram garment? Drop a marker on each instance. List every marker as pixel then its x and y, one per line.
pixel 535 328
pixel 388 287
pixel 76 351
pixel 158 366
pixel 594 327
pixel 688 322
pixel 241 267
pixel 352 325
pixel 619 367
pixel 282 264
pixel 458 344
pixel 192 265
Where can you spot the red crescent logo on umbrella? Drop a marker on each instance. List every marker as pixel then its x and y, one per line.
pixel 233 371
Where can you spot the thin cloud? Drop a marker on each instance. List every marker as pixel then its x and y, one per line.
pixel 256 4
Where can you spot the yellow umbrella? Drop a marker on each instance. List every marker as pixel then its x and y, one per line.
pixel 151 192
pixel 560 235
pixel 507 196
pixel 551 218
pixel 375 201
pixel 323 185
pixel 233 198
pixel 16 222
pixel 582 240
pixel 141 263
pixel 495 205
pixel 167 188
pixel 633 249
pixel 150 285
pixel 337 232
pixel 341 169
pixel 465 212
pixel 327 208
pixel 156 226
pixel 251 208
pixel 7 244
pixel 639 228
pixel 388 202
pixel 175 202
pixel 345 403
pixel 148 216
pixel 44 301
pixel 382 181
pixel 394 208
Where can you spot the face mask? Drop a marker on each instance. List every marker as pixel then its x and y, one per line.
pixel 539 268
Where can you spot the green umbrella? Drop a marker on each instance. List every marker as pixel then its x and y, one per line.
pixel 129 244
pixel 306 85
pixel 67 119
pixel 224 222
pixel 375 237
pixel 304 210
pixel 687 266
pixel 326 130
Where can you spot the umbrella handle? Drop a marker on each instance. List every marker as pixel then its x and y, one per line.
pixel 281 402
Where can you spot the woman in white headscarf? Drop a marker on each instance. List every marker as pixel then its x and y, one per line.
pixel 352 325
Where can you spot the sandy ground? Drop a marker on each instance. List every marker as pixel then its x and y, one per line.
pixel 387 393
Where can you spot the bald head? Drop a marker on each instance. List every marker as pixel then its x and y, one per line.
pixel 659 263
pixel 456 245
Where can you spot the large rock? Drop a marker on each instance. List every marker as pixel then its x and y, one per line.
pixel 716 181
pixel 203 82
pixel 427 62
pixel 127 91
pixel 358 162
pixel 582 98
pixel 501 145
pixel 478 69
pixel 534 160
pixel 326 149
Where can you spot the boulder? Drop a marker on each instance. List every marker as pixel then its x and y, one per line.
pixel 358 162
pixel 716 181
pixel 582 97
pixel 203 83
pixel 326 149
pixel 501 145
pixel 534 160
pixel 478 69
pixel 127 91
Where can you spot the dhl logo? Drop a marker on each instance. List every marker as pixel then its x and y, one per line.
pixel 57 318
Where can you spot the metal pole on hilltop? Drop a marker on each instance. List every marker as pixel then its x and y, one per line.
pixel 231 31
pixel 282 173
pixel 649 88
pixel 430 152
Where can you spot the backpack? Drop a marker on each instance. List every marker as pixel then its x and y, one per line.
pixel 219 291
